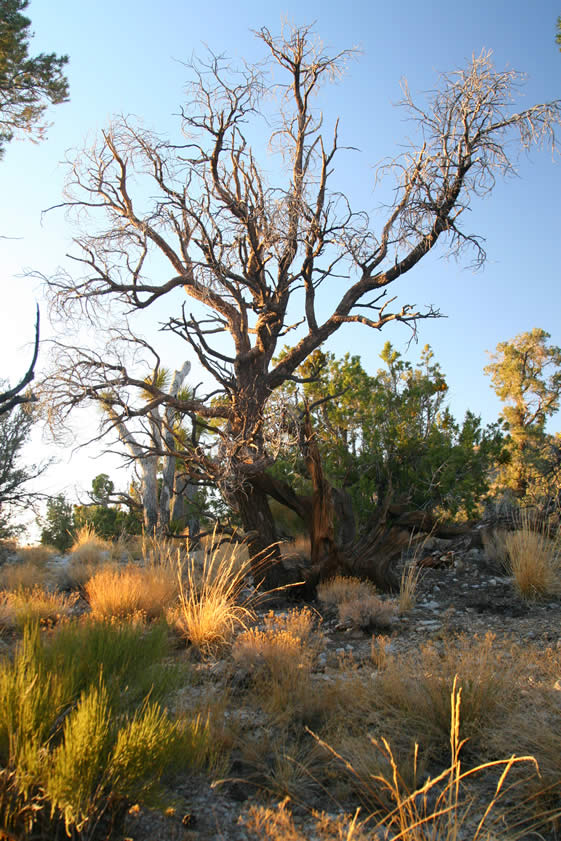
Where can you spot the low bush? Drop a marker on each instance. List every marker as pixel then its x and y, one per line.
pixel 128 655
pixel 75 744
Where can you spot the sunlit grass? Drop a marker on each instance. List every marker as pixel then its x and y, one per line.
pixel 212 606
pixel 88 547
pixel 132 589
pixel 19 607
pixel 414 689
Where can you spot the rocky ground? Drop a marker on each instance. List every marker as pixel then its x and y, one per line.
pixel 460 592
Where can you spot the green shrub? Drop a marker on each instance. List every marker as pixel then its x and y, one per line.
pixel 74 746
pixel 129 656
pixel 77 770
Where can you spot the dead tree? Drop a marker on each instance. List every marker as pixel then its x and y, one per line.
pixel 148 436
pixel 13 396
pixel 243 245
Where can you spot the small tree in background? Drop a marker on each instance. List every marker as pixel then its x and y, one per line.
pixel 526 376
pixel 58 524
pixel 106 515
pixel 27 85
pixel 391 430
pixel 15 476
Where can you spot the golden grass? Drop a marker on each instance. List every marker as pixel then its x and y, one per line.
pixel 88 547
pixel 533 722
pixel 534 559
pixel 379 650
pixel 440 808
pixel 284 648
pixel 211 605
pixel 298 547
pixel 414 689
pixel 158 551
pixel 29 570
pixel 132 590
pixel 37 554
pixel 279 660
pixel 356 601
pixel 34 605
pixel 23 575
pixel 343 589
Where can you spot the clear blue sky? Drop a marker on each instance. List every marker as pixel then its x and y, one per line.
pixel 126 57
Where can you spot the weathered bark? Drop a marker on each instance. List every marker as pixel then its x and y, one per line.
pixel 165 432
pixel 148 466
pixel 325 555
pixel 254 511
pixel 371 556
pixel 183 507
pixel 424 521
pixel 149 493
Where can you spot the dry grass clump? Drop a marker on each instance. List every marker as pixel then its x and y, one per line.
pixel 408 585
pixel 414 689
pixel 534 559
pixel 287 645
pixel 29 570
pixel 24 575
pixel 285 767
pixel 276 823
pixel 379 650
pixel 88 555
pixel 494 546
pixel 533 724
pixel 88 547
pixel 439 808
pixel 367 612
pixel 22 606
pixel 37 554
pixel 76 573
pixel 356 602
pixel 279 660
pixel 212 606
pixel 159 552
pixel 342 589
pixel 132 590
